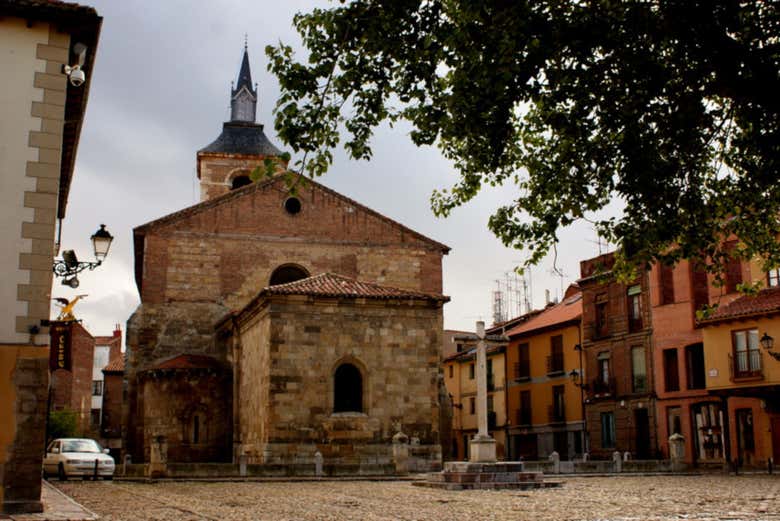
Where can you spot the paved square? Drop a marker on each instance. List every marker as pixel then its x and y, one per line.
pixel 619 498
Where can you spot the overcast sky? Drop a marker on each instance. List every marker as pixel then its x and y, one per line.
pixel 160 92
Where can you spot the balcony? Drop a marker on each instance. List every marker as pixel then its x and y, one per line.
pixel 601 387
pixel 523 416
pixel 556 414
pixel 523 370
pixel 555 363
pixel 746 365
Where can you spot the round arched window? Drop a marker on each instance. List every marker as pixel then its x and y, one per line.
pixel 239 181
pixel 292 205
pixel 347 389
pixel 287 273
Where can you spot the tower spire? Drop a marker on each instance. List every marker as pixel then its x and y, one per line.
pixel 243 97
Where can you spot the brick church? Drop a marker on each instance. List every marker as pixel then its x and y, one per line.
pixel 275 325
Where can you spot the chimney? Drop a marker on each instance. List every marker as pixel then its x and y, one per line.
pixel 547 297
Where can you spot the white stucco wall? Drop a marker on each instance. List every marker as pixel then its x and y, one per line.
pixel 18 64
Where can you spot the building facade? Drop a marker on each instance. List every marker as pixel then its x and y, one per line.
pixel 41 117
pixel 461 382
pixel 210 261
pixel 107 348
pixel 545 406
pixel 617 348
pixel 742 361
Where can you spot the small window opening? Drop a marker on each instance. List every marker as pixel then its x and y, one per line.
pixel 196 429
pixel 239 181
pixel 348 389
pixel 288 273
pixel 292 205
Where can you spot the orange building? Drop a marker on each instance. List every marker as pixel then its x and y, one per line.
pixel 742 362
pixel 545 406
pixel 683 404
pixel 461 383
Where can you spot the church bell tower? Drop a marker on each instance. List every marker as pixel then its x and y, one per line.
pixel 226 164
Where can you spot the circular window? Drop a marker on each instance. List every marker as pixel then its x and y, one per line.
pixel 292 205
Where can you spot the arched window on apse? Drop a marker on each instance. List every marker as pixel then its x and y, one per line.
pixel 347 389
pixel 196 428
pixel 239 181
pixel 287 273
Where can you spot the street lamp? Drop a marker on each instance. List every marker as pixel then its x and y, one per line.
pixel 768 343
pixel 69 266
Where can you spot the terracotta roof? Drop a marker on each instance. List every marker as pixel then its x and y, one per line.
pixel 189 362
pixel 115 366
pixel 765 302
pixel 568 310
pixel 332 285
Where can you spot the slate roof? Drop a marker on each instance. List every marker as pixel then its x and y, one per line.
pixel 568 310
pixel 241 137
pixel 245 74
pixel 332 285
pixel 115 366
pixel 767 301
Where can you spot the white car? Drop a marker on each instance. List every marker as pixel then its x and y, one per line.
pixel 68 457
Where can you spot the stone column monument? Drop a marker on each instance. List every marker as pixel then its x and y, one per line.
pixel 482 448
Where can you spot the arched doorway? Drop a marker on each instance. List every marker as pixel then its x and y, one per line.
pixel 287 273
pixel 347 389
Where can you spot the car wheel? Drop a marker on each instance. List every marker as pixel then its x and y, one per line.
pixel 61 472
pixel 45 474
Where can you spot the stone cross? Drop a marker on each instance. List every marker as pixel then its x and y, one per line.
pixel 482 448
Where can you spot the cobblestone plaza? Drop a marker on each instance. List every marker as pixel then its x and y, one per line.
pixel 617 498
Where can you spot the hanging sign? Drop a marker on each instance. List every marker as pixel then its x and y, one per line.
pixel 60 347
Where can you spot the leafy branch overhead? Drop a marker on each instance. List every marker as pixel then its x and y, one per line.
pixel 671 107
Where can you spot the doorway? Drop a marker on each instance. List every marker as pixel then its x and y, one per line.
pixel 642 422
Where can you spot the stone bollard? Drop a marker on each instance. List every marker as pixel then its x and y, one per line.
pixel 401 453
pixel 158 461
pixel 242 459
pixel 626 456
pixel 617 461
pixel 556 461
pixel 126 462
pixel 677 451
pixel 318 464
pixel 585 456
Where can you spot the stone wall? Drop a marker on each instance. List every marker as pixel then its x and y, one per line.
pixel 156 333
pixel 395 345
pixel 172 399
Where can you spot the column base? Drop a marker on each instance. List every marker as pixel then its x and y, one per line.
pixel 482 449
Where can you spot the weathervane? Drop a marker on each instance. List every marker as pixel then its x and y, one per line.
pixel 66 308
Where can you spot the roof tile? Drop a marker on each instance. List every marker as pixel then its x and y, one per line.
pixel 567 310
pixel 115 366
pixel 332 285
pixel 765 301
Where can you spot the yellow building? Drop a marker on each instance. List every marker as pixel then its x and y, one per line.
pixel 742 359
pixel 41 113
pixel 461 382
pixel 545 402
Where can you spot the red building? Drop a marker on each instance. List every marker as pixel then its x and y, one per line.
pixel 617 346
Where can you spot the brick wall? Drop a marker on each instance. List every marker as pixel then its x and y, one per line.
pixel 73 389
pixel 111 426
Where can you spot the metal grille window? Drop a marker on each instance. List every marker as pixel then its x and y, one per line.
pixel 773 278
pixel 607 430
pixel 747 357
pixel 635 308
pixel 97 388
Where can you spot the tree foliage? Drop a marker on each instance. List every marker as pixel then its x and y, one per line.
pixel 669 106
pixel 62 424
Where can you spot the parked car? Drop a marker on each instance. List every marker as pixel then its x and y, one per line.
pixel 69 457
